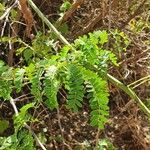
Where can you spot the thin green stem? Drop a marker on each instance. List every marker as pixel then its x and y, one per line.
pixel 130 92
pixel 140 83
pixel 144 79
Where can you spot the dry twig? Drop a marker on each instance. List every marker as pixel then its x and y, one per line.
pixel 68 13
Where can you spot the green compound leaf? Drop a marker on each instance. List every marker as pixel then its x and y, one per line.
pixel 98 95
pixel 18 78
pixel 51 87
pixel 75 86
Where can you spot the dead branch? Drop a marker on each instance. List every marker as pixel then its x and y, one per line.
pixel 90 25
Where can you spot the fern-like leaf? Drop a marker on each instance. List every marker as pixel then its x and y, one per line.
pixel 23 116
pixel 5 89
pixel 75 86
pixel 98 95
pixel 34 75
pixel 89 49
pixel 25 140
pixel 51 87
pixel 99 102
pixel 5 81
pixel 18 78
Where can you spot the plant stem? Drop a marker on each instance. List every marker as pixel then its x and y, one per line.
pixel 48 23
pixel 145 79
pixel 130 92
pixel 26 126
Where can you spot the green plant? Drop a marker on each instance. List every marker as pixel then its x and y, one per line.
pixel 120 40
pixel 139 24
pixel 65 6
pixel 80 68
pixel 20 140
pixel 80 71
pixel 72 69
